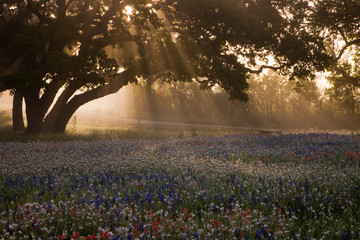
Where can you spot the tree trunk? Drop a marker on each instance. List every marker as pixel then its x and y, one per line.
pixel 17 115
pixel 33 112
pixel 57 120
pixel 62 111
pixel 58 124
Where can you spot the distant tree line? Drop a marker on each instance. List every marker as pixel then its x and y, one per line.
pixel 273 102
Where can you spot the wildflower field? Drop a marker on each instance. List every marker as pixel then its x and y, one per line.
pixel 293 186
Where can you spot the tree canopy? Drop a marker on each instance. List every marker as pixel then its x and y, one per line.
pixel 84 50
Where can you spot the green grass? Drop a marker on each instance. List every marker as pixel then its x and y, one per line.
pixel 104 132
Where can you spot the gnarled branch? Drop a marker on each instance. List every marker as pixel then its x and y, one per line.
pixel 111 87
pixel 348 44
pixel 258 71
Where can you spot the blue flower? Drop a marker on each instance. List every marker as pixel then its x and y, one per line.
pixel 258 234
pixel 346 236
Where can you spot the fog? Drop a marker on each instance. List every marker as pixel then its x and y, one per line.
pixel 274 102
pixel 104 111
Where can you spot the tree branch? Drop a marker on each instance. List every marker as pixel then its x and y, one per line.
pixel 111 87
pixel 115 6
pixel 61 8
pixel 58 109
pixel 342 34
pixel 68 4
pixel 258 71
pixel 348 44
pixel 2 87
pixel 96 25
pixel 49 95
pixel 41 17
pixel 63 99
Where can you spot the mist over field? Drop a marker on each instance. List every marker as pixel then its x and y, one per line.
pixel 274 102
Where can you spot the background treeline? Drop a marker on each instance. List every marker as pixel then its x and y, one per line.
pixel 273 102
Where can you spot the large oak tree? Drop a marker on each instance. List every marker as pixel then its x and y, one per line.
pixel 84 50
